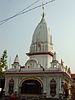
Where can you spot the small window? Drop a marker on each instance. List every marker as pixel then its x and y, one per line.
pixel 73 79
pixel 28 66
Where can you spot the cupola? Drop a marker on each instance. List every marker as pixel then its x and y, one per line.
pixel 16 62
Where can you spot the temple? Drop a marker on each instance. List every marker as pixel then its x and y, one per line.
pixel 42 76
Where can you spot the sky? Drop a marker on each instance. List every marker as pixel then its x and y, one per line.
pixel 16 34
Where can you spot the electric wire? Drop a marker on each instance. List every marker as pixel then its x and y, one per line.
pixel 3 21
pixel 23 11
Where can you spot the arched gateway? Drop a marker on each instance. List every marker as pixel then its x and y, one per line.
pixel 31 86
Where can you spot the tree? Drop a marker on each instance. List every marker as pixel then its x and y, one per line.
pixel 3 66
pixel 3 63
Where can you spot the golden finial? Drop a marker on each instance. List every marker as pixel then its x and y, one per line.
pixel 42 8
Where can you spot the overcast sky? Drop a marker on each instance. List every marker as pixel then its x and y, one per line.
pixel 16 34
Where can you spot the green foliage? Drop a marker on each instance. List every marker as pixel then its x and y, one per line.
pixel 3 63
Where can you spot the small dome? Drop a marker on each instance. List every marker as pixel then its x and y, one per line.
pixel 16 59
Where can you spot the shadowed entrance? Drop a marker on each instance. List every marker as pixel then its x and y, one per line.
pixel 31 87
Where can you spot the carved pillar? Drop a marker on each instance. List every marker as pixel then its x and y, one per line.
pixel 44 86
pixel 60 85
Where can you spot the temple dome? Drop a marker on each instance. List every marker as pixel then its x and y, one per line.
pixel 41 37
pixel 41 32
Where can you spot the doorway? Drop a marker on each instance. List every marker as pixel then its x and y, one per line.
pixel 31 87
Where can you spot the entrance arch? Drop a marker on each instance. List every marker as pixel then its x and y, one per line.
pixel 31 86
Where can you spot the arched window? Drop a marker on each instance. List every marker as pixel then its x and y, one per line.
pixel 52 87
pixel 11 86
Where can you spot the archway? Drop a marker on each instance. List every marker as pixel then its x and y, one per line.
pixel 31 86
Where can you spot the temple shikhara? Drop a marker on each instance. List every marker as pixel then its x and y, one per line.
pixel 42 76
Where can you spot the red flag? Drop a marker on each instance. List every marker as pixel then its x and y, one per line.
pixel 62 62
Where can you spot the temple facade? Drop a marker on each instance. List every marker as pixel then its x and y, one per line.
pixel 42 76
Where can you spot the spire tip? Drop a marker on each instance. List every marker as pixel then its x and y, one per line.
pixel 42 8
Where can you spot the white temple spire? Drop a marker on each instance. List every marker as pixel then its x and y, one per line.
pixel 16 62
pixel 16 59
